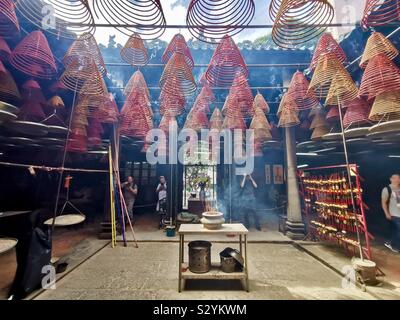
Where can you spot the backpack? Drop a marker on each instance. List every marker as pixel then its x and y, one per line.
pixel 389 189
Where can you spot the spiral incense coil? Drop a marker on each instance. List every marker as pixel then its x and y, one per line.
pixel 378 44
pixel 385 104
pixel 5 51
pixel 327 45
pixel 314 111
pixel 381 75
pixel 92 102
pixel 260 126
pixel 137 81
pixel 380 12
pixel 342 90
pixel 299 94
pixel 31 85
pixel 31 111
pixel 323 75
pixel 234 121
pixel 212 20
pixel 174 104
pixel 260 103
pixel 144 17
pixel 34 57
pixel 77 143
pixel 177 67
pixel 357 112
pixel 65 19
pixel 241 90
pixel 288 118
pixel 178 44
pixel 319 132
pixel 108 111
pixel 94 132
pixel 85 49
pixel 134 51
pixel 32 92
pixel 207 94
pixel 56 103
pixel 333 114
pixel 197 120
pixel 166 121
pixel 318 121
pixel 77 76
pixel 216 120
pixel 58 87
pixel 8 87
pixel 9 26
pixel 299 21
pixel 286 103
pixel 231 107
pixel 226 63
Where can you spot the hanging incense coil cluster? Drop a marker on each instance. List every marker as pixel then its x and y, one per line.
pixel 138 83
pixel 378 44
pixel 241 92
pixel 287 113
pixel 85 49
pixel 333 114
pixel 94 132
pixel 64 19
pixel 144 17
pixel 197 117
pixel 381 75
pixel 134 52
pixel 174 104
pixel 178 44
pixel 78 141
pixel 212 20
pixel 9 25
pixel 167 122
pixel 386 106
pixel 216 120
pixel 298 92
pixel 108 112
pixel 33 56
pixel 234 121
pixel 357 112
pixel 261 129
pixel 380 12
pixel 226 63
pixel 260 103
pixel 8 87
pixel 299 21
pixel 327 45
pixel 319 125
pixel 33 101
pixel 342 90
pixel 5 51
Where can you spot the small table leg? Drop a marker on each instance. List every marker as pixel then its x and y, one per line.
pixel 180 261
pixel 246 263
pixel 241 244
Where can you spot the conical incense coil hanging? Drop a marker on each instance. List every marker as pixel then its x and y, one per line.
pixel 315 111
pixel 319 132
pixel 5 51
pixel 31 111
pixel 85 49
pixel 9 26
pixel 166 122
pixel 177 67
pixel 145 17
pixel 207 94
pixel 34 57
pixel 333 114
pixel 134 52
pixel 108 111
pixel 58 87
pixel 8 87
pixel 216 120
pixel 234 121
pixel 231 107
pixel 327 45
pixel 288 118
pixel 178 44
pixel 299 21
pixel 32 92
pixel 56 102
pixel 357 112
pixel 384 105
pixel 226 63
pixel 94 132
pixel 318 121
pixel 378 44
pixel 260 103
pixel 137 82
pixel 380 12
pixel 77 143
pixel 241 91
pixel 286 103
pixel 323 75
pixel 135 124
pixel 260 126
pixel 197 120
pixel 342 90
pixel 174 104
pixel 227 17
pixel 92 102
pixel 64 19
pixel 77 76
pixel 381 75
pixel 298 93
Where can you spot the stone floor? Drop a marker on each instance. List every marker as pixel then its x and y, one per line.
pixel 277 271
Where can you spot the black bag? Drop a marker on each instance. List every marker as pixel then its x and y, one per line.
pixel 389 189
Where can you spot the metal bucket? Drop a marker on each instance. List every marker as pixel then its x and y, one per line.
pixel 228 263
pixel 199 256
pixel 170 231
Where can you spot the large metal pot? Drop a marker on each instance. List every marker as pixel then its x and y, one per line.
pixel 199 256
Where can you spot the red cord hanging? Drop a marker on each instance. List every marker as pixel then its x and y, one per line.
pixel 357 112
pixel 327 45
pixel 9 26
pixel 299 93
pixel 380 12
pixel 178 44
pixel 226 63
pixel 34 57
pixel 65 19
pixel 227 17
pixel 134 52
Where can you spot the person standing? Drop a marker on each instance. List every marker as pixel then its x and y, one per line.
pixel 162 199
pixel 130 191
pixel 248 201
pixel 391 207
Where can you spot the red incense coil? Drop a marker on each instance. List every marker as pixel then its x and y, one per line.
pixel 85 49
pixel 177 67
pixel 197 120
pixel 299 94
pixel 378 44
pixel 299 21
pixel 174 104
pixel 259 102
pixel 94 132
pixel 31 85
pixel 227 17
pixel 108 111
pixel 58 87
pixel 145 17
pixel 178 44
pixel 31 111
pixel 385 105
pixel 288 118
pixel 137 82
pixel 231 107
pixel 226 63
pixel 327 45
pixel 234 121
pixel 134 52
pixel 242 92
pixel 381 75
pixel 342 90
pixel 5 51
pixel 34 57
pixel 207 94
pixel 319 120
pixel 380 12
pixel 77 143
pixel 32 92
pixel 9 26
pixel 357 112
pixel 216 120
pixel 166 122
pixel 333 114
pixel 8 87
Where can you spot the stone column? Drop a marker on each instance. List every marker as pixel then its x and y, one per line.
pixel 295 228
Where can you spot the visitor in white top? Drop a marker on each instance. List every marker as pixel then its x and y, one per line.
pixel 162 199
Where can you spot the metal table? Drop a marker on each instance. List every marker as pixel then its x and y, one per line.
pixel 215 272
